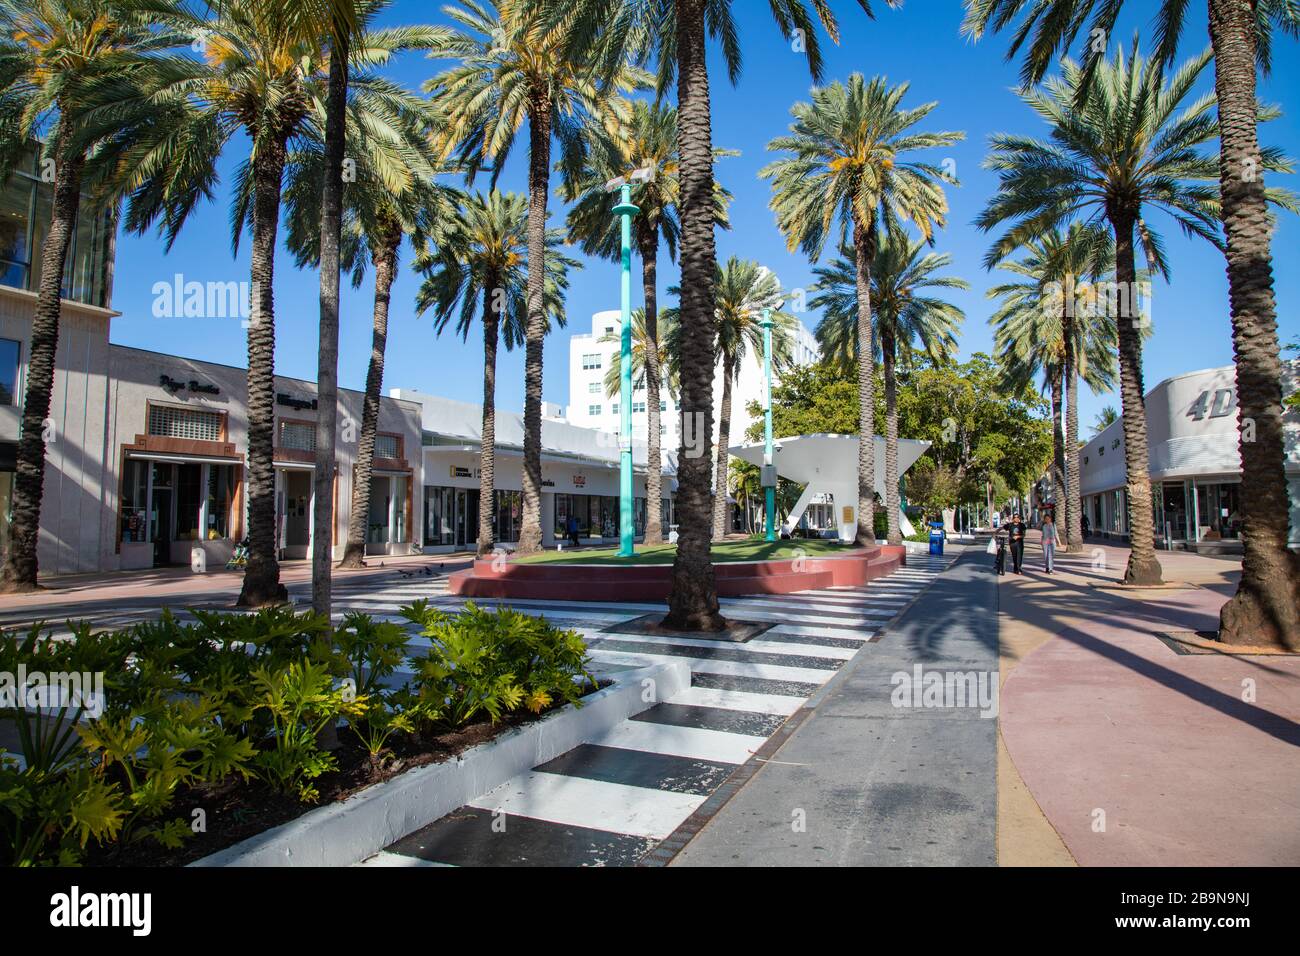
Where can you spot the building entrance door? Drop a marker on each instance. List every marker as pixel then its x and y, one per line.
pixel 160 514
pixel 295 513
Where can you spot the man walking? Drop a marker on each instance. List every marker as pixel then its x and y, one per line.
pixel 573 530
pixel 1016 540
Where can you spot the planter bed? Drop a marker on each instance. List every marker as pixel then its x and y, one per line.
pixel 360 814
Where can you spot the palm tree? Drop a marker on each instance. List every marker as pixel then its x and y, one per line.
pixel 676 30
pixel 1266 607
pixel 1118 150
pixel 58 61
pixel 744 291
pixel 483 258
pixel 392 194
pixel 515 69
pixel 1048 322
pixel 1105 418
pixel 264 68
pixel 650 145
pixel 905 318
pixel 844 170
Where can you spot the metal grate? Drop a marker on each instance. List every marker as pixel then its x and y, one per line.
pixel 299 436
pixel 184 423
pixel 386 446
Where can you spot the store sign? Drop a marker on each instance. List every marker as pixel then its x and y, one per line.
pixel 297 404
pixel 580 481
pixel 1222 404
pixel 459 471
pixel 174 386
pixel 548 483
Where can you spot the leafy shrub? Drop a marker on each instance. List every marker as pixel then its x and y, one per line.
pixel 495 661
pixel 302 702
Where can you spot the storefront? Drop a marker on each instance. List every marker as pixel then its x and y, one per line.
pixel 580 478
pixel 1195 467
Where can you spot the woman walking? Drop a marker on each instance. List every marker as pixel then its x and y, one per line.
pixel 1051 540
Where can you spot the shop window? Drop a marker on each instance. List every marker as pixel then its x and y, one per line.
pixel 170 422
pixel 188 499
pixel 221 493
pixel 399 509
pixel 298 436
pixel 135 491
pixel 380 501
pixel 386 446
pixel 9 353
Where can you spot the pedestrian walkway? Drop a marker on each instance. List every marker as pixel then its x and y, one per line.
pixel 1137 754
pixel 611 801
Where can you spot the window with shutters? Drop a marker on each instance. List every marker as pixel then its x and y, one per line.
pixel 169 422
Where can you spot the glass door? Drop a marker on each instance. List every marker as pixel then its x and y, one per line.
pixel 160 513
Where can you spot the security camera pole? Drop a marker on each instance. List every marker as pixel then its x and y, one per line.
pixel 626 210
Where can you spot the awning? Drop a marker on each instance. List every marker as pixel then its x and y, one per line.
pixel 178 459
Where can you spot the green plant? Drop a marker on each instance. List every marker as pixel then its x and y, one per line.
pixel 148 756
pixel 301 702
pixel 372 649
pixel 495 661
pixel 46 819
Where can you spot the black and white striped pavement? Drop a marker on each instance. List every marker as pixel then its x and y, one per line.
pixel 610 801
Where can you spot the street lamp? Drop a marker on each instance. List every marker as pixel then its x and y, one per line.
pixel 625 210
pixel 769 468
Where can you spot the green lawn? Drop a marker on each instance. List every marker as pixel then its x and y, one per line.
pixel 754 549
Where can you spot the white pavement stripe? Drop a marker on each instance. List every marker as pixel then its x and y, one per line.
pixel 575 801
pixel 859 633
pixel 695 742
pixel 806 650
pixel 702 665
pixel 384 858
pixel 738 700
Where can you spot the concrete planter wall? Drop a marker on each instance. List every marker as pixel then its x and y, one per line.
pixel 342 834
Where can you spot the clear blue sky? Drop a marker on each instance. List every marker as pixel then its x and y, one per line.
pixel 920 43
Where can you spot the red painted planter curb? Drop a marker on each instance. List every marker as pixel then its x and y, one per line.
pixel 493 578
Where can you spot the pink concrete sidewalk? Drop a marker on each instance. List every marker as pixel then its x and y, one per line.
pixel 179 584
pixel 1192 759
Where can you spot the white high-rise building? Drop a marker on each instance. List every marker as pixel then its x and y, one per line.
pixel 590 407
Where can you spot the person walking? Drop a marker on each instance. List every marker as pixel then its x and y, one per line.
pixel 573 530
pixel 1051 540
pixel 1016 541
pixel 1084 524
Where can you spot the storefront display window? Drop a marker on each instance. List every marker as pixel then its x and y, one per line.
pixel 135 491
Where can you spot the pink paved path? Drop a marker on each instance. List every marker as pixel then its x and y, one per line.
pixel 1104 716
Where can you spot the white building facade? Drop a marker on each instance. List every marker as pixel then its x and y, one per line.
pixel 580 478
pixel 1195 465
pixel 590 407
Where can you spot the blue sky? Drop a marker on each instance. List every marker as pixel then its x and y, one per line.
pixel 919 43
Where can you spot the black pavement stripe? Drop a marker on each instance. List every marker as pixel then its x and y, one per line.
pixel 637 768
pixel 734 654
pixel 712 718
pixel 754 685
pixel 465 838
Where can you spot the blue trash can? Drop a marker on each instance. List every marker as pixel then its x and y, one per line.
pixel 936 537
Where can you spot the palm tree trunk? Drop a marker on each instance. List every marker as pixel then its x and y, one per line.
pixel 385 262
pixel 262 577
pixel 539 183
pixel 721 469
pixel 487 448
pixel 864 240
pixel 21 565
pixel 649 242
pixel 1058 433
pixel 1073 493
pixel 1266 607
pixel 693 603
pixel 327 359
pixel 1143 568
pixel 887 347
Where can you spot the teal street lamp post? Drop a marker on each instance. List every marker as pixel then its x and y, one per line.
pixel 626 210
pixel 769 469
